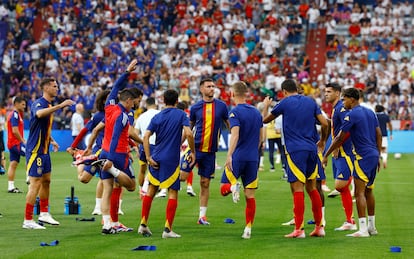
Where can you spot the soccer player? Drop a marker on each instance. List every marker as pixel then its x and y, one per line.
pixel 343 157
pixel 185 157
pixel 384 122
pixel 86 172
pixel 115 148
pixel 246 128
pixel 141 126
pixel 300 114
pixel 281 145
pixel 116 199
pixel 2 123
pixel 37 153
pixel 362 125
pixel 170 126
pixel 15 140
pixel 206 119
pixel 272 138
pixel 77 123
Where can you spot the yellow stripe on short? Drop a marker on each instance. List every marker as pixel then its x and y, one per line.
pixel 230 176
pixel 253 185
pixel 167 183
pixel 295 170
pixel 31 160
pixel 360 173
pixel 152 180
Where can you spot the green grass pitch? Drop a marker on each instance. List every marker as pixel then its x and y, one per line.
pixel 394 198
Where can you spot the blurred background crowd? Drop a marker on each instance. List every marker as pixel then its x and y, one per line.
pixel 87 44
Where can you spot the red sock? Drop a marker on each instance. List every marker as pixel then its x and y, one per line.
pixel 171 208
pixel 346 198
pixel 316 206
pixel 190 178
pixel 113 209
pixel 250 211
pixel 44 205
pixel 28 213
pixel 298 208
pixel 146 207
pixel 225 189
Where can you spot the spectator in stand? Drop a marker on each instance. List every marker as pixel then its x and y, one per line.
pixel 303 10
pixel 354 29
pixel 330 25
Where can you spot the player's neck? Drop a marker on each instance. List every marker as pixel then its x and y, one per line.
pixel 239 100
pixel 48 97
pixel 208 99
pixel 287 94
pixel 335 102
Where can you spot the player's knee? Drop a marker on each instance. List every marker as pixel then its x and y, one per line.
pixel 131 189
pixel 183 176
pixel 204 181
pixel 83 180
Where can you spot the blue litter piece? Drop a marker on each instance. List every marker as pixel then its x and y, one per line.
pixel 229 221
pixel 144 248
pixel 311 222
pixel 395 249
pixel 53 243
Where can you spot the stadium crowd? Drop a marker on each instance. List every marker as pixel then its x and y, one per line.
pixel 87 44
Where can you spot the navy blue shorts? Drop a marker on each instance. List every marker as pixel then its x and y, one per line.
pixel 121 161
pixel 38 164
pixel 16 152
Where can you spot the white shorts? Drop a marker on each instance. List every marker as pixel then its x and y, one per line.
pixel 384 142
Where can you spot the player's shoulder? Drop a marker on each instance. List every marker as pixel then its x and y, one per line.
pixel 98 116
pixel 220 102
pixel 39 102
pixel 196 106
pixel 13 114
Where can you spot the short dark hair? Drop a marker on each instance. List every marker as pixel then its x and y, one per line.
pixel 18 99
pixel 46 81
pixel 379 108
pixel 351 93
pixel 136 92
pixel 129 93
pixel 206 79
pixel 170 97
pixel 289 85
pixel 150 101
pixel 101 99
pixel 182 105
pixel 335 86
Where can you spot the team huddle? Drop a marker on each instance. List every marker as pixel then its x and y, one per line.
pixel 160 135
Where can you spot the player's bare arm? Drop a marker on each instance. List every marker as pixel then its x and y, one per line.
pixel 47 111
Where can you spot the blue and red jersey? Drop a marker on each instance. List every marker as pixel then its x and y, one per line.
pixel 116 139
pixel 15 119
pixel 208 118
pixel 40 128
